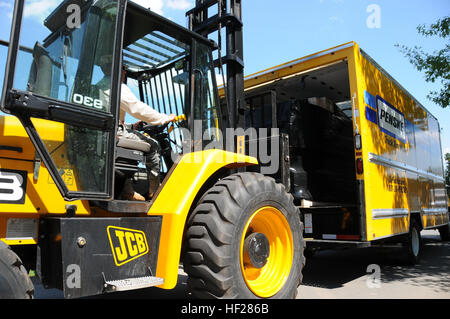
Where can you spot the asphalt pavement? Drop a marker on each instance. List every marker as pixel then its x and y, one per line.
pixel 365 273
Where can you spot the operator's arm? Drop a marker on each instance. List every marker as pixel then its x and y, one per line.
pixel 137 109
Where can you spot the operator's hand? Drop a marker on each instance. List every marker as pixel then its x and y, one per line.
pixel 171 118
pixel 180 118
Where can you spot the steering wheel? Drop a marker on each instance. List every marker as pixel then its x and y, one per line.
pixel 152 130
pixel 159 133
pixel 158 129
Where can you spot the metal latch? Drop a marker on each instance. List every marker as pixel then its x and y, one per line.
pixel 36 166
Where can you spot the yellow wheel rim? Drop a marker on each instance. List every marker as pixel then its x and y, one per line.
pixel 267 281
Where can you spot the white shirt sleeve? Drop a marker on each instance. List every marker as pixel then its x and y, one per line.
pixel 137 109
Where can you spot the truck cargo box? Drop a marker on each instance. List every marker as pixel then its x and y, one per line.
pixel 365 155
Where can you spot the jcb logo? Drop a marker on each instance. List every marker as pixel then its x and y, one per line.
pixel 126 244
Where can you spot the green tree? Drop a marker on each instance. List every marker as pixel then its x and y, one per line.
pixel 436 65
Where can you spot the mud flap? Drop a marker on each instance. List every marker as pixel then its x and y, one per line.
pixel 80 255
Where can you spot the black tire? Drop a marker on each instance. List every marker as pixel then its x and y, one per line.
pixel 215 233
pixel 14 280
pixel 310 252
pixel 413 244
pixel 444 232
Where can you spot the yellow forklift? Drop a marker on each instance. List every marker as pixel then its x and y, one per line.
pixel 236 232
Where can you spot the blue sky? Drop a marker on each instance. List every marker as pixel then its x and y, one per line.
pixel 278 31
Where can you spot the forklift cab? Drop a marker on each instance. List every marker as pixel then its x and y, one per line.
pixel 69 106
pixel 64 81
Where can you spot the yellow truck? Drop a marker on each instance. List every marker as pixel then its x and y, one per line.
pixel 365 156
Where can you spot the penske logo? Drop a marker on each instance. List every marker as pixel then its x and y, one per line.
pixel 391 120
pixel 126 244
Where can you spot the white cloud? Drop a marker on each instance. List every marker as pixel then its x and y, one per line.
pixel 179 4
pixel 154 5
pixel 5 5
pixel 158 6
pixel 39 9
pixel 6 8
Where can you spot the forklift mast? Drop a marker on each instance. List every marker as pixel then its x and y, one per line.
pixel 228 17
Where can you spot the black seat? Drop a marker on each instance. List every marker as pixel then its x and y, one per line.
pixel 129 154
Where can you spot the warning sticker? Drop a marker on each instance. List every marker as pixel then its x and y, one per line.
pixel 66 175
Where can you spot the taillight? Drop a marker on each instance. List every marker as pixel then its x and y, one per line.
pixel 359 166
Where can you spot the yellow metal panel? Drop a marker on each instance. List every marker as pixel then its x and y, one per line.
pixel 12 133
pixel 355 97
pixel 389 186
pixel 19 241
pixel 41 198
pixel 294 67
pixel 176 197
pixel 380 181
pixel 10 126
pixel 42 195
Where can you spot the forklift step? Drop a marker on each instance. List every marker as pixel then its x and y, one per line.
pixel 132 283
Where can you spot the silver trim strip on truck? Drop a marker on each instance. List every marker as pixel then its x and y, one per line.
pixel 434 211
pixel 390 213
pixel 380 160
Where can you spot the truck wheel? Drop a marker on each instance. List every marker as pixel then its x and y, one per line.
pixel 14 280
pixel 245 240
pixel 413 244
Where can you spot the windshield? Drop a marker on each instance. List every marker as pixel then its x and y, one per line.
pixel 205 100
pixel 66 55
pixel 158 71
pixel 159 68
pixel 74 55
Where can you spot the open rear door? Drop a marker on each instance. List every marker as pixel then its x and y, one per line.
pixel 64 68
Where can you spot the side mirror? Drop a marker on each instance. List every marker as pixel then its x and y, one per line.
pixel 40 78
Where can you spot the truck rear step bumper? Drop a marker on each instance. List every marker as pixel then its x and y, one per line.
pixel 326 244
